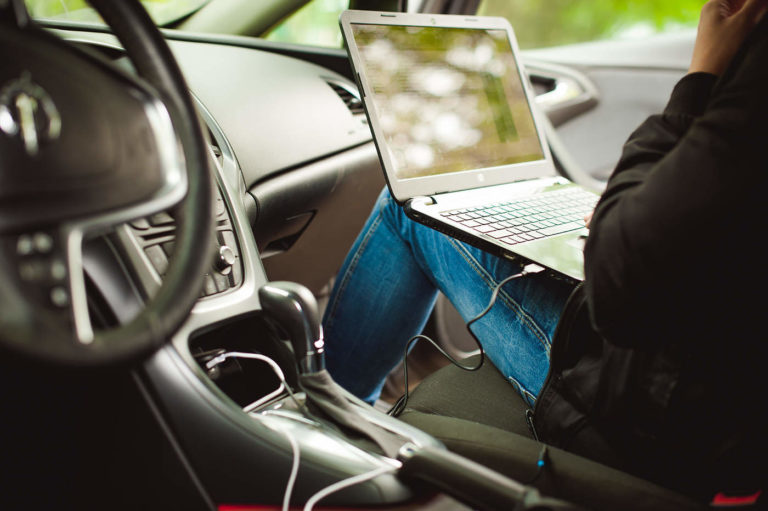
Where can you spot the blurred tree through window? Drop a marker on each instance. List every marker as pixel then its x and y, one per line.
pixel 537 23
pixel 540 23
pixel 162 11
pixel 316 24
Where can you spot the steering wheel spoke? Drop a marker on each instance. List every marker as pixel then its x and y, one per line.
pixel 75 299
pixel 50 275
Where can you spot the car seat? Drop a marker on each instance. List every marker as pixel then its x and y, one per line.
pixel 479 415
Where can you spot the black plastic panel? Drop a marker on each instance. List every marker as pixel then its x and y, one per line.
pixel 237 458
pixel 156 237
pixel 336 194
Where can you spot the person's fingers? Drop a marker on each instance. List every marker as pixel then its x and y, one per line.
pixel 728 8
pixel 753 9
pixel 588 219
pixel 722 28
pixel 731 7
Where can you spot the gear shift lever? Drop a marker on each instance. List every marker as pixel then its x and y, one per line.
pixel 294 307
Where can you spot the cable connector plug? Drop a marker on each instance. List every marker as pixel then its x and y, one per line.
pixel 532 268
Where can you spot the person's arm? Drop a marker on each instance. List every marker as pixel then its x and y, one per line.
pixel 678 175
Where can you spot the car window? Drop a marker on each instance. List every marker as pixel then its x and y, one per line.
pixel 540 23
pixel 162 11
pixel 316 24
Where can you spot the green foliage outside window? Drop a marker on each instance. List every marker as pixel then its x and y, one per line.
pixel 537 23
pixel 540 23
pixel 316 24
pixel 162 11
pixel 55 8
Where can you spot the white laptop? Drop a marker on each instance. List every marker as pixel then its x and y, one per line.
pixel 458 135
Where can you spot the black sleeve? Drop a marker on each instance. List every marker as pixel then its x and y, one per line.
pixel 680 174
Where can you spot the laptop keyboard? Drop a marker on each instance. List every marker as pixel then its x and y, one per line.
pixel 539 216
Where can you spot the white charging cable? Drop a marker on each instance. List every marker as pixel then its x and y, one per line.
pixel 294 470
pixel 333 488
pixel 350 481
pixel 253 356
pixel 296 452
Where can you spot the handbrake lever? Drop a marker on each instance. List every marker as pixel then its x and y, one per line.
pixel 472 483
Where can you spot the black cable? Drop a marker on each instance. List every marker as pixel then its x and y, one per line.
pixel 541 463
pixel 399 405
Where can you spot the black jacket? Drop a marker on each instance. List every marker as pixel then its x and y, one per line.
pixel 658 364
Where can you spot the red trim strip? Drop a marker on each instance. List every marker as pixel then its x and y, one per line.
pixel 410 506
pixel 257 507
pixel 723 500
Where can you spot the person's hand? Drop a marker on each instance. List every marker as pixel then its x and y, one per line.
pixel 723 26
pixel 588 219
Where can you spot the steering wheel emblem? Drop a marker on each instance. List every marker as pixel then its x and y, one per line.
pixel 28 112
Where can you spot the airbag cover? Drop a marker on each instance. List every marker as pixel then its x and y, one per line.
pixel 75 137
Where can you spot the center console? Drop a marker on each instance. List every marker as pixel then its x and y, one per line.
pixel 239 433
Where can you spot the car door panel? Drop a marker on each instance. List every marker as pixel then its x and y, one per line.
pixel 626 98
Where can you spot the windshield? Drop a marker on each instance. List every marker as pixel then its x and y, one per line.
pixel 163 12
pixel 555 22
pixel 537 23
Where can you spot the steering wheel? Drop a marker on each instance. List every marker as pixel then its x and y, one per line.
pixel 85 147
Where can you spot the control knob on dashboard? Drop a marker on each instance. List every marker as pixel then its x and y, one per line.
pixel 225 259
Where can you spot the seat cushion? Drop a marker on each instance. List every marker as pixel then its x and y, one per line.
pixel 480 415
pixel 482 396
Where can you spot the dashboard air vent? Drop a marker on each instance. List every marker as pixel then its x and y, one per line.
pixel 350 96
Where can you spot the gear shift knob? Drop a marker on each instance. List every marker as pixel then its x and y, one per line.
pixel 294 308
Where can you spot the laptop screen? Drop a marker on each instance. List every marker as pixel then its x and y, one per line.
pixel 447 99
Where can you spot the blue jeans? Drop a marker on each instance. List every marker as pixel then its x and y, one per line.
pixel 388 285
